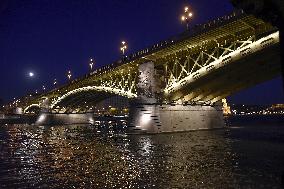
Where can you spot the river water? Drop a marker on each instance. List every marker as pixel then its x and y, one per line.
pixel 247 154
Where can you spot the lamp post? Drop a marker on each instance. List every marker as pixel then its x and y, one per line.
pixel 69 75
pixel 92 62
pixel 187 15
pixel 55 82
pixel 43 88
pixel 123 47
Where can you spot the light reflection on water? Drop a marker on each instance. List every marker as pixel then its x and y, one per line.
pixel 78 156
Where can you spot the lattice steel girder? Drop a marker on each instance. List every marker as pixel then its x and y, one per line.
pixel 254 69
pixel 240 29
pixel 192 61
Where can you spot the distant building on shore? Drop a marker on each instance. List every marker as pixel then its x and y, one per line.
pixel 257 109
pixel 277 107
pixel 226 107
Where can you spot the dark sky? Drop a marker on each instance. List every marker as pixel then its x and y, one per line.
pixel 49 37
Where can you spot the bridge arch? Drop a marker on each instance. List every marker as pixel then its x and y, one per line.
pixel 100 89
pixel 32 106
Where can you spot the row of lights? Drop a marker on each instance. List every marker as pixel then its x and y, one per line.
pixel 91 64
pixel 187 15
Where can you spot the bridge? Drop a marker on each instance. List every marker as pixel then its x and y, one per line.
pixel 177 84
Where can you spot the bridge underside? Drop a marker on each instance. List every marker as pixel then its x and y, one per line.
pixel 225 81
pixel 33 110
pixel 81 102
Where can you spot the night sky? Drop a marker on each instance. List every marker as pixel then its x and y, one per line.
pixel 49 37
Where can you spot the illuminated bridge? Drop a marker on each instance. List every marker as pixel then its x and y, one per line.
pixel 178 83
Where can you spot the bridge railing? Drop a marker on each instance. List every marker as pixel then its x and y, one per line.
pixel 196 30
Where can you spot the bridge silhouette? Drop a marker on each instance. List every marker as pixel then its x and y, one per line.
pixel 177 84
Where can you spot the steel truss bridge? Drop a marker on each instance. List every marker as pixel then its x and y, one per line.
pixel 213 61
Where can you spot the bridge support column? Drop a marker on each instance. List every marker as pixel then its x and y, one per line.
pixel 156 118
pixel 44 105
pixel 49 117
pixel 64 119
pixel 18 110
pixel 148 115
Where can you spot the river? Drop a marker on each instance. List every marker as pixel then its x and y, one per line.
pixel 249 153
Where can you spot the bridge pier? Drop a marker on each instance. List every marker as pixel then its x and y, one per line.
pixel 46 118
pixel 148 115
pixel 158 118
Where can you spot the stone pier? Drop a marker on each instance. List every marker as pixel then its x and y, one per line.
pixel 61 119
pixel 149 115
pixel 154 118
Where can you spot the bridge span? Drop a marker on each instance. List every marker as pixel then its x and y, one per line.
pixel 178 84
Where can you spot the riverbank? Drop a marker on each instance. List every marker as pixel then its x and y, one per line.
pixel 18 119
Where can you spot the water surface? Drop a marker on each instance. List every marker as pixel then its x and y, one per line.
pixel 248 154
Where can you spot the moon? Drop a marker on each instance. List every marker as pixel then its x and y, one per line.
pixel 31 74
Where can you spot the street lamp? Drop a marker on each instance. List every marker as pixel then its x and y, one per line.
pixel 54 82
pixel 43 88
pixel 69 75
pixel 187 15
pixel 123 47
pixel 92 62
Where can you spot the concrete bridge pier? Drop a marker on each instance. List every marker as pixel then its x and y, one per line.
pixel 148 115
pixel 46 118
pixel 157 118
